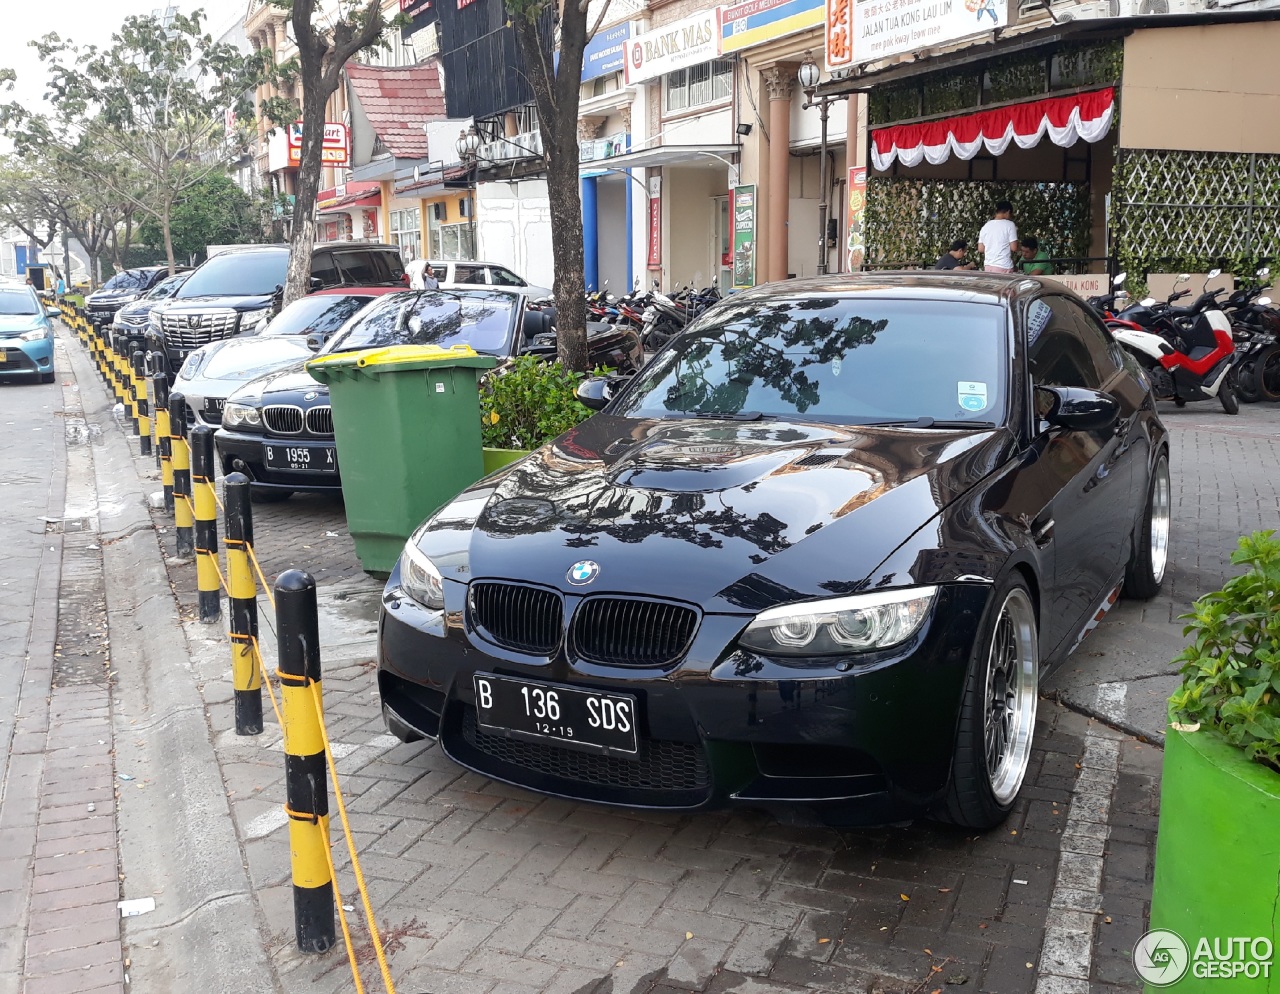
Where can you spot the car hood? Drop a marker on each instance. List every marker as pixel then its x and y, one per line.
pixel 239 303
pixel 12 325
pixel 113 296
pixel 731 516
pixel 288 380
pixel 238 360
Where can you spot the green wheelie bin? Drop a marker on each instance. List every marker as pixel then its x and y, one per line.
pixel 406 422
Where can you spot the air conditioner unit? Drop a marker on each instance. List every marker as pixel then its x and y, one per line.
pixel 464 208
pixel 438 211
pixel 494 151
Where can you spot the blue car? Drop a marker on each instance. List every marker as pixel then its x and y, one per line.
pixel 26 334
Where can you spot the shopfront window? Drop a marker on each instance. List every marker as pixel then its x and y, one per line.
pixel 452 241
pixel 406 232
pixel 698 85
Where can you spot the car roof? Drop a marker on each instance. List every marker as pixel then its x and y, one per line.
pixel 356 291
pixel 976 287
pixel 468 262
pixel 354 246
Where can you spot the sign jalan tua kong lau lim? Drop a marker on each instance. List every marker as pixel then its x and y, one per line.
pixel 878 29
pixel 744 237
pixel 857 241
pixel 687 42
pixel 336 150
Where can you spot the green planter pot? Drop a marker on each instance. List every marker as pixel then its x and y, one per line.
pixel 495 459
pixel 1217 868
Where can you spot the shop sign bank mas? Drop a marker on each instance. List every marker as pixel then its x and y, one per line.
pixel 688 42
pixel 860 31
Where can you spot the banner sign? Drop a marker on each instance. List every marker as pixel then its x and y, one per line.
pixel 655 232
pixel 688 42
pixel 755 21
pixel 335 151
pixel 857 242
pixel 882 28
pixel 606 52
pixel 744 236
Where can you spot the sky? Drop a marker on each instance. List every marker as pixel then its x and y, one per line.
pixel 84 22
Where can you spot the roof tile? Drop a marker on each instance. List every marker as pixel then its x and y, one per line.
pixel 398 102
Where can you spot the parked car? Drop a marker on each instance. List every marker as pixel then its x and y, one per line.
pixel 121 289
pixel 278 429
pixel 129 325
pixel 451 274
pixel 235 292
pixel 26 333
pixel 213 372
pixel 819 552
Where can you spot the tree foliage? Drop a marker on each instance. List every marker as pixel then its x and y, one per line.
pixel 157 99
pixel 556 91
pixel 213 212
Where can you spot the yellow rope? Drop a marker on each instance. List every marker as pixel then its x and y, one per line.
pixel 351 848
pixel 266 587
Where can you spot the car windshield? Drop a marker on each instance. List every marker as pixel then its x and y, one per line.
pixel 166 288
pixel 836 359
pixel 18 302
pixel 324 314
pixel 256 355
pixel 237 274
pixel 477 318
pixel 130 279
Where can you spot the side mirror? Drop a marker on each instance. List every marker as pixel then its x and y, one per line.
pixel 315 283
pixel 593 392
pixel 1182 278
pixel 1264 272
pixel 1119 280
pixel 1076 408
pixel 1264 301
pixel 1213 274
pixel 52 312
pixel 315 341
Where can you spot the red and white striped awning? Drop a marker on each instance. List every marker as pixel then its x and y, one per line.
pixel 1063 119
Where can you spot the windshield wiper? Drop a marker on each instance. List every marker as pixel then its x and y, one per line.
pixel 924 422
pixel 729 416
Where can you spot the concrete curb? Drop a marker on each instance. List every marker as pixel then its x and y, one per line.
pixel 177 839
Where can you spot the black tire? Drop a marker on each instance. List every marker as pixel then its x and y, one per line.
pixel 1247 382
pixel 1267 374
pixel 971 800
pixel 268 495
pixel 1148 563
pixel 1179 402
pixel 47 377
pixel 1227 394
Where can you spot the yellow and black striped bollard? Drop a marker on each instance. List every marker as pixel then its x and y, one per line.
pixel 183 519
pixel 306 780
pixel 164 445
pixel 206 523
pixel 242 605
pixel 149 368
pixel 144 414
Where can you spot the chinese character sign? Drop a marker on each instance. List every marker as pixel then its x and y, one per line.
pixel 744 237
pixel 839 33
pixel 857 242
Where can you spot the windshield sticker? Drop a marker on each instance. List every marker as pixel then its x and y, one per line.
pixel 972 396
pixel 1038 315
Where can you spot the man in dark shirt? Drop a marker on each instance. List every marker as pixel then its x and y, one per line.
pixel 954 257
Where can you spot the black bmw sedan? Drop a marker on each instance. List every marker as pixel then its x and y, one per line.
pixel 819 551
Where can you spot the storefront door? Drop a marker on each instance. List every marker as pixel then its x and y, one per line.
pixel 723 267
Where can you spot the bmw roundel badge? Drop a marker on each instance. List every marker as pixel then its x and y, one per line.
pixel 311 395
pixel 582 573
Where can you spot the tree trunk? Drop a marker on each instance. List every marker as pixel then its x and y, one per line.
pixel 168 236
pixel 302 241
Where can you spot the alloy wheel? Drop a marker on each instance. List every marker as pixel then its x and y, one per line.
pixel 1011 687
pixel 1161 517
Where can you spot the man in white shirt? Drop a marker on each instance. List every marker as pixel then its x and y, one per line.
pixel 415 271
pixel 998 240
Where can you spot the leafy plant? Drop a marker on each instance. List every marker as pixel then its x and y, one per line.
pixel 530 402
pixel 1231 669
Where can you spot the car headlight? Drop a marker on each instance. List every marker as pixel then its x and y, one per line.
pixel 252 321
pixel 192 366
pixel 153 323
pixel 33 336
pixel 841 625
pixel 241 414
pixel 420 578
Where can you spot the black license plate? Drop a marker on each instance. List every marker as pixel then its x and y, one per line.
pixel 588 719
pixel 214 405
pixel 311 458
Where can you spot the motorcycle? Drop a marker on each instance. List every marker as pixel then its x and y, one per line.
pixel 666 316
pixel 1189 353
pixel 1255 325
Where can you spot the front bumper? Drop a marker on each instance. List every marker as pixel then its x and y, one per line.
pixel 242 452
pixel 862 739
pixel 26 358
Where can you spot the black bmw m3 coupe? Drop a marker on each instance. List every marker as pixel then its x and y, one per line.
pixel 818 552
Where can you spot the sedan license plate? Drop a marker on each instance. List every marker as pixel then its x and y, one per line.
pixel 311 458
pixel 215 405
pixel 588 719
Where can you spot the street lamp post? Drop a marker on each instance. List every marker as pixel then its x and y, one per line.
pixel 468 147
pixel 809 76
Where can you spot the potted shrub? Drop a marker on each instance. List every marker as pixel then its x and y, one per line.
pixel 525 404
pixel 1217 871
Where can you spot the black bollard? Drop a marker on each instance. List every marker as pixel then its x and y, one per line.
pixel 306 778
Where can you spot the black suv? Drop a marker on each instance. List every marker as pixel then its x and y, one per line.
pixel 236 292
pixel 123 288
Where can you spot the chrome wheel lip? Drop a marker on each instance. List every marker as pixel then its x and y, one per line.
pixel 1161 521
pixel 1011 692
